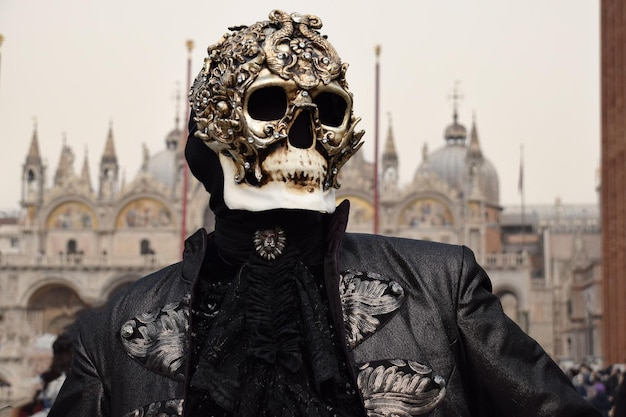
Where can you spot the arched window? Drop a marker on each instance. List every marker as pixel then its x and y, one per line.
pixel 71 247
pixel 144 247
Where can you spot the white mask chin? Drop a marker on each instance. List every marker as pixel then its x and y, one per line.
pixel 273 194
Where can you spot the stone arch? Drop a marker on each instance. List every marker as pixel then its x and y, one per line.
pixel 58 306
pixel 511 284
pixel 512 305
pixel 44 281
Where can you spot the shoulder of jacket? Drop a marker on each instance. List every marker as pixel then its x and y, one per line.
pixel 151 291
pixel 425 247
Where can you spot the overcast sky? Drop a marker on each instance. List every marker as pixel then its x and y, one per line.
pixel 528 71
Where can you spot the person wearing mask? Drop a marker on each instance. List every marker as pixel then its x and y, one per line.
pixel 279 312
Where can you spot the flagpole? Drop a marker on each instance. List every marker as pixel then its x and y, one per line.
pixel 521 190
pixel 183 227
pixel 1 40
pixel 376 118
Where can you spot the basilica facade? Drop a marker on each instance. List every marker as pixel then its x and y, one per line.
pixel 73 246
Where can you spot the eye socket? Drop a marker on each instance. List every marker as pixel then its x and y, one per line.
pixel 268 103
pixel 332 108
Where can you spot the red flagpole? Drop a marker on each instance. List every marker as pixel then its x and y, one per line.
pixel 183 227
pixel 521 190
pixel 1 40
pixel 376 114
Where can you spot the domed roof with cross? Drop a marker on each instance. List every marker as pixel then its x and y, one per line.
pixel 463 166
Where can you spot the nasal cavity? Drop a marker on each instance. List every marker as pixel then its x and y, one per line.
pixel 301 131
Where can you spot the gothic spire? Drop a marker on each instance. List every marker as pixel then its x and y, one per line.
pixel 109 155
pixel 65 169
pixel 34 156
pixel 84 176
pixel 474 145
pixel 109 168
pixel 33 179
pixel 390 156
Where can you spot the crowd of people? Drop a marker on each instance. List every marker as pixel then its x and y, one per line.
pixel 603 388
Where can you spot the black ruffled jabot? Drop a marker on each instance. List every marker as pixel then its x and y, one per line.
pixel 269 350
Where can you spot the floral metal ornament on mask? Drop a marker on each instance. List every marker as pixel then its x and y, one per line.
pixel 273 102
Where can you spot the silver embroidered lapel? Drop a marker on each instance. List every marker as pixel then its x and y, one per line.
pixel 158 339
pixel 399 388
pixel 368 301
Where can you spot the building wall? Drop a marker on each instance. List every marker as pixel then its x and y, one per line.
pixel 613 73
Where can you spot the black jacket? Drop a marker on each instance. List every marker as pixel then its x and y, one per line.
pixel 424 332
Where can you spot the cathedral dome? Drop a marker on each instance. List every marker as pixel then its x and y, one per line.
pixel 163 166
pixel 448 163
pixel 463 166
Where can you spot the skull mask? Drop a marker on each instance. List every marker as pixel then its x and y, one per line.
pixel 272 101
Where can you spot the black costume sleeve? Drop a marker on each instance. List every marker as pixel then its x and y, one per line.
pixel 509 373
pixel 82 393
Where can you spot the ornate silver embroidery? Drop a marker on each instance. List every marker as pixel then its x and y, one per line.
pixel 399 388
pixel 366 296
pixel 169 408
pixel 270 243
pixel 158 339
